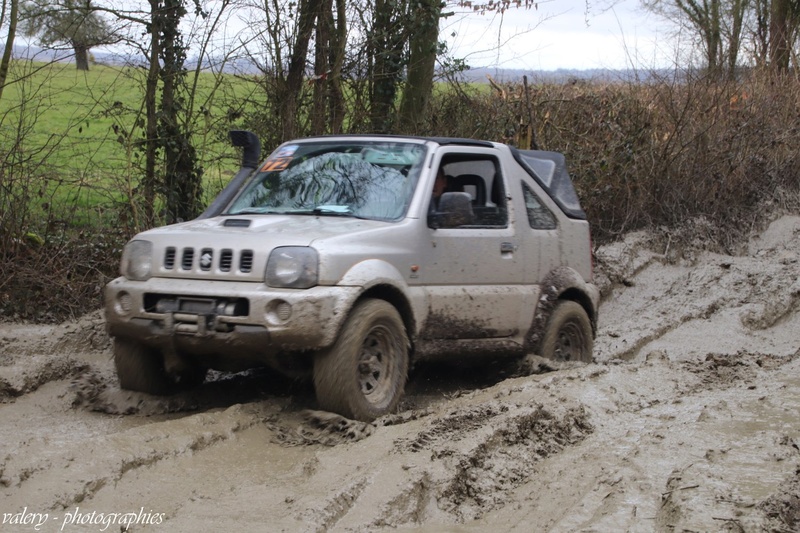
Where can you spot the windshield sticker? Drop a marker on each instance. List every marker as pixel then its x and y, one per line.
pixel 275 164
pixel 287 151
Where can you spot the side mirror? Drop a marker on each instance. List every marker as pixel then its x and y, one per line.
pixel 455 209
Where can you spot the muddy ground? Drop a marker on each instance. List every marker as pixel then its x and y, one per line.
pixel 687 421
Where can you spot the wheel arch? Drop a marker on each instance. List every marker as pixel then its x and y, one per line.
pixel 394 296
pixel 562 283
pixel 381 280
pixel 582 299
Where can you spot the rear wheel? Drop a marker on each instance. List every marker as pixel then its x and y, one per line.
pixel 568 335
pixel 362 376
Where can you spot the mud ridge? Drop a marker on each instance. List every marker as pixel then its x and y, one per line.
pixel 97 391
pixel 86 333
pixel 108 468
pixel 724 371
pixel 777 306
pixel 782 509
pixel 36 371
pixel 317 427
pixel 618 263
pixel 335 508
pixel 506 458
pixel 409 506
pixel 451 427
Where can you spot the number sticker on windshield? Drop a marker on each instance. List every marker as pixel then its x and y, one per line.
pixel 276 164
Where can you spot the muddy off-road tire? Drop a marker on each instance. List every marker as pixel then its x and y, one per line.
pixel 362 376
pixel 568 335
pixel 190 377
pixel 140 368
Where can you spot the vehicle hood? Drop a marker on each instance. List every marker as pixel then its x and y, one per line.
pixel 237 247
pixel 297 230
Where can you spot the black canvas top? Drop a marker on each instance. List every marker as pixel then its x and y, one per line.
pixel 549 169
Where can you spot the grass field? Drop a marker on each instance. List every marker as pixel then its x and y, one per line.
pixel 74 137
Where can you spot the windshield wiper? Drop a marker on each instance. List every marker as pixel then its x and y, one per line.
pixel 337 211
pixel 333 210
pixel 254 211
pixel 320 210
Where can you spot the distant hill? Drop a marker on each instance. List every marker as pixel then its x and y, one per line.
pixel 473 75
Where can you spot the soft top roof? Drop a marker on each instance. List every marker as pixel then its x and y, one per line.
pixel 549 169
pixel 438 140
pixel 459 141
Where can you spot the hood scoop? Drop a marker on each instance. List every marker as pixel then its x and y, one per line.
pixel 236 223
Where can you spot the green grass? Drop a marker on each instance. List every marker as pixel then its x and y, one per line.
pixel 79 133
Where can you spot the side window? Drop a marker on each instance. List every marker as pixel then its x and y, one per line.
pixel 481 180
pixel 539 216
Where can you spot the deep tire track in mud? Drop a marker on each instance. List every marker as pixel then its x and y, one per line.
pixel 686 421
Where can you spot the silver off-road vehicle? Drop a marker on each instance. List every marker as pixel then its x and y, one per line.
pixel 335 259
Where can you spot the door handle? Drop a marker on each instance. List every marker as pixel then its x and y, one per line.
pixel 507 247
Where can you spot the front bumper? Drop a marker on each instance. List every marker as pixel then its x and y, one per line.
pixel 238 320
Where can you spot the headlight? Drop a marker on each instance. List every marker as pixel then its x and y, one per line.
pixel 293 267
pixel 137 260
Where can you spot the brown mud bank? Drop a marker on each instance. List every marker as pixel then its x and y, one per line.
pixel 687 421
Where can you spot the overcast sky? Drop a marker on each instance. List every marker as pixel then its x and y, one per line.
pixel 562 34
pixel 559 34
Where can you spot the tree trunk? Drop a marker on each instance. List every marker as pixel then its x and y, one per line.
pixel 308 10
pixel 762 32
pixel 387 64
pixel 12 32
pixel 779 45
pixel 81 56
pixel 321 68
pixel 704 15
pixel 151 127
pixel 713 38
pixel 424 42
pixel 337 50
pixel 182 177
pixel 738 8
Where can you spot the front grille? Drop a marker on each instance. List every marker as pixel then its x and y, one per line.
pixel 206 259
pixel 226 260
pixel 169 258
pixel 188 258
pixel 209 259
pixel 246 261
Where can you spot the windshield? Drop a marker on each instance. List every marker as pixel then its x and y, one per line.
pixel 362 179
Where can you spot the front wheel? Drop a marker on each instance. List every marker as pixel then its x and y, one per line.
pixel 140 368
pixel 568 335
pixel 362 376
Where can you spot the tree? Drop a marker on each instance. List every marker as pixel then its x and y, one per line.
pixel 183 175
pixel 783 25
pixel 722 28
pixel 423 49
pixel 308 11
pixel 385 50
pixel 74 23
pixel 717 25
pixel 12 31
